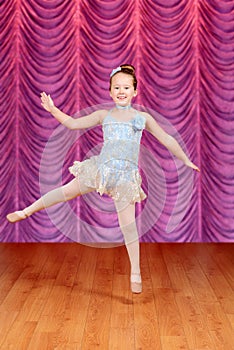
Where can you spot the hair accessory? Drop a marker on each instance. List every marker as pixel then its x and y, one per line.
pixel 116 70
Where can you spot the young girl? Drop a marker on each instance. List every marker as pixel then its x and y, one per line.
pixel 115 170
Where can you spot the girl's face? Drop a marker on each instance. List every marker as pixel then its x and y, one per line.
pixel 122 89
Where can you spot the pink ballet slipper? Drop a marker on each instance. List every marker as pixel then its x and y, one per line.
pixel 136 284
pixel 16 216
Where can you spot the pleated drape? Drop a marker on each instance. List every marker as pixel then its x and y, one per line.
pixel 183 52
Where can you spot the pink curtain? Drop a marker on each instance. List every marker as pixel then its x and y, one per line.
pixel 183 52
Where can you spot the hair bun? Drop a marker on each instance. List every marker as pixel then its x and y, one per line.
pixel 129 67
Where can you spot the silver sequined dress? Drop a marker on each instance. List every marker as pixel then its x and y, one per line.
pixel 115 170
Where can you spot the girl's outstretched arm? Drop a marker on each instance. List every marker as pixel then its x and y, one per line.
pixel 88 121
pixel 167 140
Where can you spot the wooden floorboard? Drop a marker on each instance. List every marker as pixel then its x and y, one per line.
pixel 70 296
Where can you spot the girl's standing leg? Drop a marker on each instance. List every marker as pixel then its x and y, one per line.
pixel 58 195
pixel 127 222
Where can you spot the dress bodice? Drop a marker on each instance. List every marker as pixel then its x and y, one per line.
pixel 122 142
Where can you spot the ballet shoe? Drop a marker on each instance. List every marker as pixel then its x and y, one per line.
pixel 136 284
pixel 136 287
pixel 16 216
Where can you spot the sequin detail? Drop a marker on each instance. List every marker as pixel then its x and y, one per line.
pixel 115 170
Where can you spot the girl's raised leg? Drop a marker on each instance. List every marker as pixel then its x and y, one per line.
pixel 127 222
pixel 58 195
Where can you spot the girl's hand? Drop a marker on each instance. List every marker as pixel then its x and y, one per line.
pixel 191 165
pixel 47 102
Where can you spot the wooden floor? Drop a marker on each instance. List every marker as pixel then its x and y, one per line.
pixel 71 296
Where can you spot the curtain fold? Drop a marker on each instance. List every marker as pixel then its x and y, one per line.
pixel 183 52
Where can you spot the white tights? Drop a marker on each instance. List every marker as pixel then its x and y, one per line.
pixel 61 194
pixel 126 217
pixel 127 223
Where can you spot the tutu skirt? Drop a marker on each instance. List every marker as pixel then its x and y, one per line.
pixel 120 184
